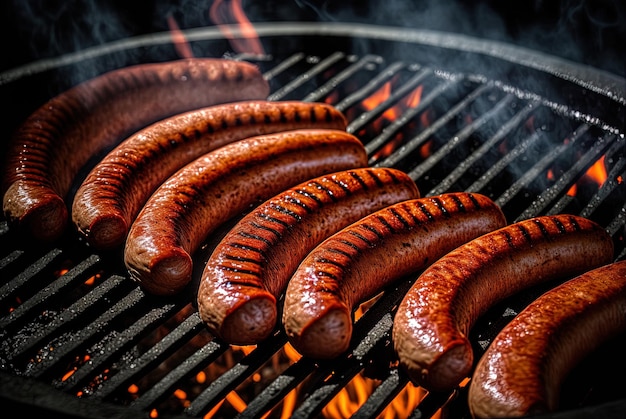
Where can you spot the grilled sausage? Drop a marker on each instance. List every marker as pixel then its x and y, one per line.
pixel 57 140
pixel 113 193
pixel 434 318
pixel 249 269
pixel 522 370
pixel 357 262
pixel 212 189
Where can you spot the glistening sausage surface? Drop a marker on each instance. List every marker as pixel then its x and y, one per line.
pixel 522 371
pixel 58 139
pixel 433 320
pixel 249 269
pixel 212 189
pixel 357 262
pixel 113 193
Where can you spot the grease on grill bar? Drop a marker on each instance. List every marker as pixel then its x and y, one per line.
pixel 73 320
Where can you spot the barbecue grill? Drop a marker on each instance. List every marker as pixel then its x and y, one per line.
pixel 79 339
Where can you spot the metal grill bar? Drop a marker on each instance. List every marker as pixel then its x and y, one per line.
pixel 606 187
pixel 112 345
pixel 480 152
pixel 201 358
pixel 519 150
pixel 384 394
pixel 420 138
pixel 307 76
pixel 152 357
pixel 611 183
pixel 36 337
pixel 332 83
pixel 458 138
pixel 28 275
pixel 77 311
pixel 567 179
pixel 227 382
pixel 388 132
pixel 540 167
pixel 29 307
pixel 284 65
pixel 373 84
pixel 368 116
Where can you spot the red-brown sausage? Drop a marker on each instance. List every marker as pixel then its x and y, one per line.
pixel 434 318
pixel 215 187
pixel 522 370
pixel 113 193
pixel 357 262
pixel 249 269
pixel 59 138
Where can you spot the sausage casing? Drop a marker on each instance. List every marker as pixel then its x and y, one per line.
pixel 522 370
pixel 433 320
pixel 49 149
pixel 113 193
pixel 185 209
pixel 357 262
pixel 254 261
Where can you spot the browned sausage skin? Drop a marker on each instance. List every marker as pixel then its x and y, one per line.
pixel 522 370
pixel 59 138
pixel 215 187
pixel 434 318
pixel 113 193
pixel 254 261
pixel 357 262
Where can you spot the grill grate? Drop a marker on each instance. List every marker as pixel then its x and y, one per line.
pixel 73 320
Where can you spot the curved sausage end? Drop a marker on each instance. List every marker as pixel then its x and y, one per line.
pixel 107 232
pixel 251 322
pixel 451 367
pixel 327 337
pixel 167 275
pixel 46 217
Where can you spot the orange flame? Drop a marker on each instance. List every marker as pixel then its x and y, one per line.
pixel 596 174
pixel 178 38
pixel 225 12
pixel 411 101
pixel 378 97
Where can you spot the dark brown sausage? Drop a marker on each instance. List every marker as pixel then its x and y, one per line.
pixel 357 262
pixel 113 193
pixel 212 189
pixel 434 318
pixel 249 269
pixel 58 139
pixel 522 371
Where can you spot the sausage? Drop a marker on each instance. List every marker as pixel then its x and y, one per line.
pixel 435 316
pixel 357 262
pixel 186 208
pixel 111 196
pixel 249 269
pixel 58 139
pixel 522 370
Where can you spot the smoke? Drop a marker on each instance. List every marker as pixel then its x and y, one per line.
pixel 49 28
pixel 591 32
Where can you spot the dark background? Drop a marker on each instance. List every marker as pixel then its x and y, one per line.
pixel 584 31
